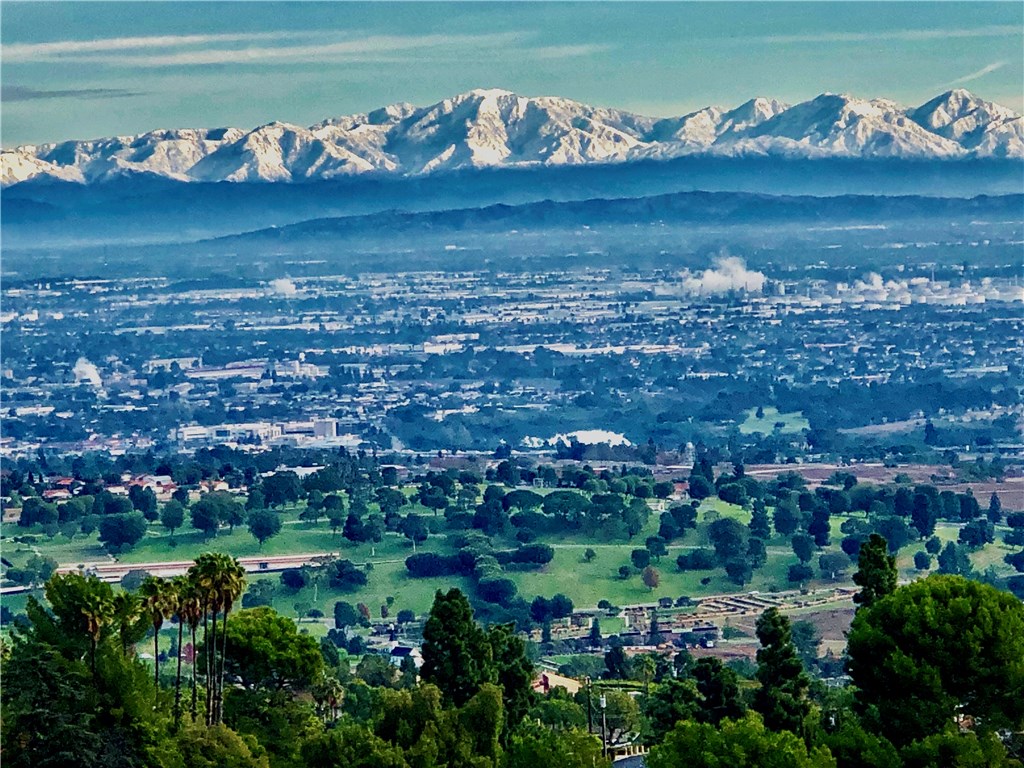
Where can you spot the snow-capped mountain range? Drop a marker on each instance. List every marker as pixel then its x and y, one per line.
pixel 497 128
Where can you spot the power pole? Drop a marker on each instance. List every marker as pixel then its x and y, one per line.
pixel 604 726
pixel 590 707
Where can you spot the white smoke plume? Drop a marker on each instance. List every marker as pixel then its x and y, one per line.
pixel 729 273
pixel 282 286
pixel 86 373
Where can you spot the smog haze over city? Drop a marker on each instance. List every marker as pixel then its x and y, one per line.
pixel 512 384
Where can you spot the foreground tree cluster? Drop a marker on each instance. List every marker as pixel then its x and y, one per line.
pixel 937 670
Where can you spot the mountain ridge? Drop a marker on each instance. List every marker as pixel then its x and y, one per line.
pixel 676 207
pixel 494 128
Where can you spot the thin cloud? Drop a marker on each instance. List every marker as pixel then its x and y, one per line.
pixel 568 51
pixel 370 48
pixel 12 93
pixel 908 35
pixel 987 70
pixel 74 49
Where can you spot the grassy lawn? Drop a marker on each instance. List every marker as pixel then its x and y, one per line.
pixel 791 422
pixel 586 583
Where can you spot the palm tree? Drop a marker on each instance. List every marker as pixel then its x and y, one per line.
pixel 181 588
pixel 231 586
pixel 221 581
pixel 328 694
pixel 202 577
pixel 98 611
pixel 158 601
pixel 647 668
pixel 190 610
pixel 126 611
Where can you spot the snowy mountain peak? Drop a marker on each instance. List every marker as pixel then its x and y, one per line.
pixel 493 127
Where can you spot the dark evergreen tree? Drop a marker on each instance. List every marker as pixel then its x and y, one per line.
pixel 456 652
pixel 782 698
pixel 876 571
pixel 820 527
pixel 760 525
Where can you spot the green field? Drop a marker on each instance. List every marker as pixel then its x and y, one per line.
pixel 586 583
pixel 791 422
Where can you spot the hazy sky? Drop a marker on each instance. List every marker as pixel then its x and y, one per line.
pixel 82 70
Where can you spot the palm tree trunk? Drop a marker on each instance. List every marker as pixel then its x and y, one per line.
pixel 206 653
pixel 223 654
pixel 92 655
pixel 177 678
pixel 211 676
pixel 156 656
pixel 195 689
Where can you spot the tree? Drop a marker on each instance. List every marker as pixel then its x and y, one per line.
pixel 787 516
pixel 744 743
pixel 617 664
pixel 264 524
pixel 219 581
pixel 122 531
pixel 757 553
pixel 346 615
pixel 833 564
pixel 977 534
pixel 266 651
pixel 641 558
pixel 953 560
pixel 334 508
pixel 799 572
pixel 533 746
pixel 894 530
pixel 205 516
pixel 806 639
pixel 219 747
pixel 674 700
pixel 376 671
pixel 351 746
pixel 964 750
pixel 760 526
pixel 354 529
pixel 820 526
pixel 144 501
pixel 293 578
pixel 594 638
pixel 172 516
pixel 281 488
pixel 650 577
pixel 782 697
pixel 699 488
pixel 729 538
pixel 995 509
pixel 560 606
pixel 803 547
pixel 922 560
pixel 656 546
pixel 876 571
pixel 739 570
pixel 622 714
pixel 414 529
pixel 936 648
pixel 345 575
pixel 924 515
pixel 513 671
pixel 456 653
pixel 589 554
pixel 159 600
